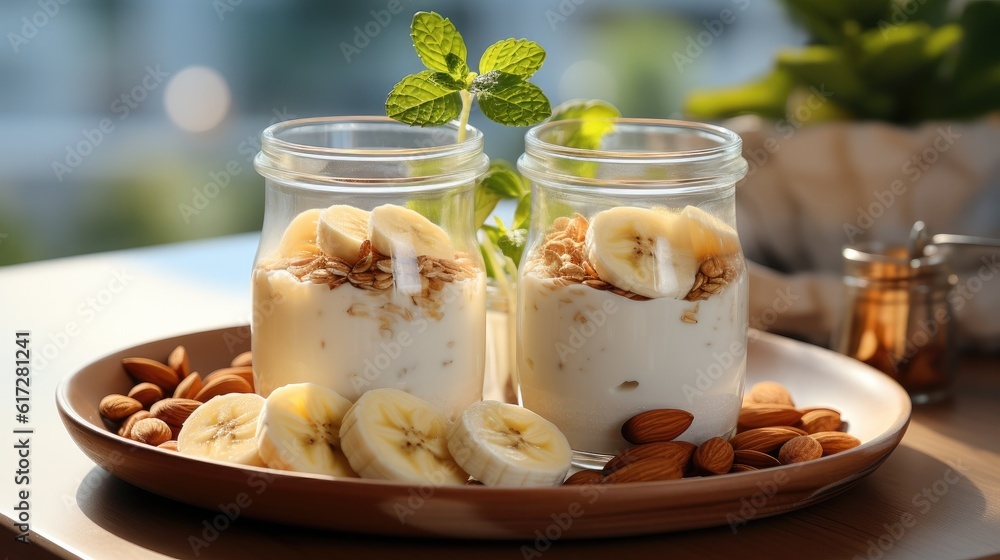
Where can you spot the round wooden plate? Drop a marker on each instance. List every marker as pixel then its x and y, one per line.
pixel 876 408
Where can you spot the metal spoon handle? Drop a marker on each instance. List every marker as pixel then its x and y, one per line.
pixel 953 239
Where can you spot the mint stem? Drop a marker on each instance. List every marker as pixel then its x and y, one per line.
pixel 463 120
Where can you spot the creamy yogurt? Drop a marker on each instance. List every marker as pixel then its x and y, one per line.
pixel 590 359
pixel 353 340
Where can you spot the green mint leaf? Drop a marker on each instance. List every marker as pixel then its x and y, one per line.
pixel 594 114
pixel 419 100
pixel 485 201
pixel 435 38
pixel 503 179
pixel 520 57
pixel 447 81
pixel 499 182
pixel 522 215
pixel 511 242
pixel 508 99
pixel 457 67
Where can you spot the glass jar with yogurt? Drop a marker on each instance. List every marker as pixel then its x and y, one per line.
pixel 368 273
pixel 633 289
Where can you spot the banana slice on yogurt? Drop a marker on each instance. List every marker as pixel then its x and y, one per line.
pixel 341 230
pixel 643 251
pixel 399 230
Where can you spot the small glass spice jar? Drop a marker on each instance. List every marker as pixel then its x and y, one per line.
pixel 368 272
pixel 898 316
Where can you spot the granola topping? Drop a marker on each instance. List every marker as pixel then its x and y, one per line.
pixel 562 258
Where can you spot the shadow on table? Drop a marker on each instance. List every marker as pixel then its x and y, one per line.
pixel 855 519
pixel 966 415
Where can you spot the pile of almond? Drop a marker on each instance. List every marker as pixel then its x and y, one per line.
pixel 165 394
pixel 771 432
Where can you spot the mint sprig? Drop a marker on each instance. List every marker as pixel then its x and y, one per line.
pixel 447 89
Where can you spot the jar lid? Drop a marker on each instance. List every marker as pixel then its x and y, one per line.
pixel 637 154
pixel 369 152
pixel 876 261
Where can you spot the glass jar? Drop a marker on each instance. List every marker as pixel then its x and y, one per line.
pixel 898 316
pixel 633 290
pixel 368 272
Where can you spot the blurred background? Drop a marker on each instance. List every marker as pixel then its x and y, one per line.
pixel 135 123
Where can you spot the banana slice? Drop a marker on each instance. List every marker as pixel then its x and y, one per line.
pixel 300 235
pixel 710 236
pixel 299 430
pixel 224 429
pixel 394 226
pixel 643 251
pixel 502 444
pixel 341 230
pixel 392 435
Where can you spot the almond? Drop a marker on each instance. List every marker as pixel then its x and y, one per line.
pixel 175 431
pixel 174 411
pixel 763 415
pixel 152 431
pixel 762 439
pixel 153 372
pixel 678 452
pixel 222 385
pixel 179 362
pixel 243 360
pixel 246 372
pixel 647 470
pixel 769 392
pixel 738 467
pixel 146 393
pixel 835 442
pixel 715 456
pixel 585 476
pixel 117 407
pixel 188 387
pixel 800 449
pixel 126 428
pixel 756 459
pixel 170 445
pixel 820 420
pixel 662 424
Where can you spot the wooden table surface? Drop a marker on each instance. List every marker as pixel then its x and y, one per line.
pixel 936 497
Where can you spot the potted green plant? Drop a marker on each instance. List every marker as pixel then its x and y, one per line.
pixel 886 117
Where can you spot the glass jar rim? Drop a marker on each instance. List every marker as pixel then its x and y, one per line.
pixel 876 261
pixel 720 165
pixel 325 163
